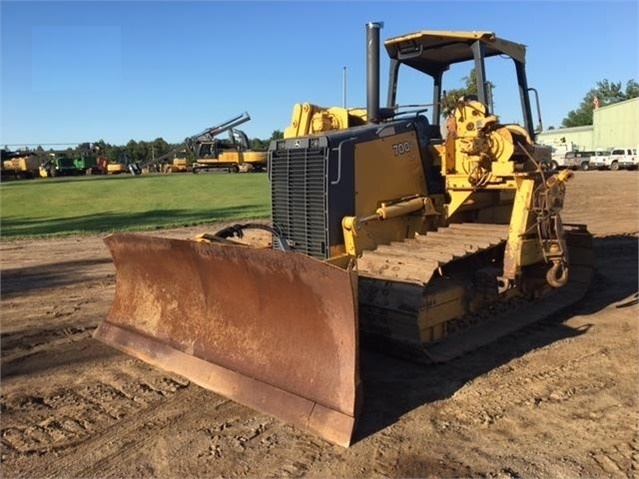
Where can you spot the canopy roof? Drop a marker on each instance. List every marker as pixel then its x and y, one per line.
pixel 433 51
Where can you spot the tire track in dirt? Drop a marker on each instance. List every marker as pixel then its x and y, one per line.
pixel 260 446
pixel 243 437
pixel 17 346
pixel 297 458
pixel 87 423
pixel 67 416
pixel 104 428
pixel 134 437
pixel 619 459
pixel 386 455
pixel 485 404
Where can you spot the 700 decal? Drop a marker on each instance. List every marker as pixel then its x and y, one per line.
pixel 401 148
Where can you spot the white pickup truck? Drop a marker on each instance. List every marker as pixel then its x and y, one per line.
pixel 623 159
pixel 599 160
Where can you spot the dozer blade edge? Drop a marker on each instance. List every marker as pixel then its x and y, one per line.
pixel 274 331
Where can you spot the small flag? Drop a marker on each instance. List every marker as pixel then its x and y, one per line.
pixel 595 102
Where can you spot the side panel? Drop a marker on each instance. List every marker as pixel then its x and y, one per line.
pixel 387 168
pixel 341 192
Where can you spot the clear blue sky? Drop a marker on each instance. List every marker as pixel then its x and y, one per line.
pixel 83 71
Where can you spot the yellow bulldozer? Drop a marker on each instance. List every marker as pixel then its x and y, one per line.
pixel 385 229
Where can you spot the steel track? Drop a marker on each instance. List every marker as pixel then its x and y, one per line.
pixel 400 283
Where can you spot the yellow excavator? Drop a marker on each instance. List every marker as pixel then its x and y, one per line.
pixel 383 229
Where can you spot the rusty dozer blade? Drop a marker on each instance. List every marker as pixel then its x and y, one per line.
pixel 275 331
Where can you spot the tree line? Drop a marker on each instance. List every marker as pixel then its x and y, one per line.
pixel 604 93
pixel 134 151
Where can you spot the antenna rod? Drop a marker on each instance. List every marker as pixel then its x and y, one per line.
pixel 344 88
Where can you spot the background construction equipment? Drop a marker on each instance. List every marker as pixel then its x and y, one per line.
pixel 207 151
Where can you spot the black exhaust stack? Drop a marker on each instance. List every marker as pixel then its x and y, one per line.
pixel 372 71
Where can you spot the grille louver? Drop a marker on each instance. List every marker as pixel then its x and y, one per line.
pixel 299 203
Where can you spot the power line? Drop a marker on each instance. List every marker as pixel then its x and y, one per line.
pixel 47 144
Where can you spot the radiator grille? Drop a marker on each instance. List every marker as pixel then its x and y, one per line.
pixel 299 202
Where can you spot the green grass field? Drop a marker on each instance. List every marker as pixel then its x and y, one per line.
pixel 102 204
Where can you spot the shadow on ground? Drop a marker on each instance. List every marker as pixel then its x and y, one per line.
pixel 108 222
pixel 42 350
pixel 19 281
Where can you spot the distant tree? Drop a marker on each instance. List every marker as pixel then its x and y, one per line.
pixel 101 147
pixel 605 93
pixel 632 89
pixel 159 147
pixel 142 152
pixel 551 127
pixel 470 88
pixel 40 154
pixel 116 153
pixel 137 151
pixel 130 148
pixel 258 144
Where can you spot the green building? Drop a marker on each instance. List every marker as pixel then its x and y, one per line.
pixel 614 126
pixel 581 137
pixel 617 126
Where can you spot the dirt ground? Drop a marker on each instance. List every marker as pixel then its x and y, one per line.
pixel 558 399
